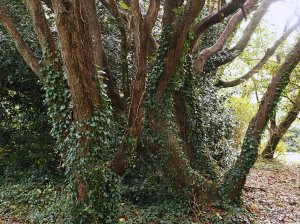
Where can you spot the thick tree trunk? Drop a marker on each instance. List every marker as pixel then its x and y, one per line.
pixel 88 155
pixel 177 166
pixel 77 54
pixel 235 178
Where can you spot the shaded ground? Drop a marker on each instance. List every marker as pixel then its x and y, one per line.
pixel 273 191
pixel 272 194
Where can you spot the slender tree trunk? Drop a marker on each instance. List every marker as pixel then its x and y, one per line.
pixel 269 151
pixel 100 57
pixel 143 28
pixel 235 178
pixel 277 132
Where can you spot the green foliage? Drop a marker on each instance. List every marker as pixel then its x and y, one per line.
pixel 243 111
pixel 33 197
pixel 164 212
pixel 123 5
pixel 92 169
pixel 25 142
pixel 292 140
pixel 86 151
pixel 149 190
pixel 268 164
pixel 212 123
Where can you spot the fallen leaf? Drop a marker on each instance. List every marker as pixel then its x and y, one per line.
pixel 253 208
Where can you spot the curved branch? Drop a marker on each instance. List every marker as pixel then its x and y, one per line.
pixel 215 18
pixel 261 63
pixel 31 60
pixel 208 52
pixel 152 13
pixel 254 22
pixel 248 32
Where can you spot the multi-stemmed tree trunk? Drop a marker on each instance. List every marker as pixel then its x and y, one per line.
pixel 162 109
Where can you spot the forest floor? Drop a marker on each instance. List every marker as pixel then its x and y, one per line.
pixel 272 191
pixel 272 195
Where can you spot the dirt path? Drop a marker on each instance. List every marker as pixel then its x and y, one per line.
pixel 273 193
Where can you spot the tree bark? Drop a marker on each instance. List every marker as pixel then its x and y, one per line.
pixel 43 31
pixel 100 57
pixel 31 60
pixel 235 178
pixel 208 52
pixel 176 44
pixel 213 19
pixel 78 59
pixel 279 131
pixel 143 28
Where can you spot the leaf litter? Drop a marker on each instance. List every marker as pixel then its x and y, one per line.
pixel 272 192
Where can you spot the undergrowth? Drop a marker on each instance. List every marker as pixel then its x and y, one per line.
pixel 33 197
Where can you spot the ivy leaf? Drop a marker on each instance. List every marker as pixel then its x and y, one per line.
pixel 123 5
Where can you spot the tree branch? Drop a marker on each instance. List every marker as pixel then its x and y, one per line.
pixel 248 32
pixel 208 52
pixel 215 18
pixel 261 63
pixel 31 60
pixel 100 58
pixel 125 45
pixel 235 178
pixel 291 115
pixel 175 48
pixel 254 22
pixel 152 13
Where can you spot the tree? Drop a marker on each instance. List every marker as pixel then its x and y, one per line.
pixel 166 94
pixel 278 131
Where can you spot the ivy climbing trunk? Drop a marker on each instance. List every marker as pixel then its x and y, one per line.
pixel 143 28
pixel 87 166
pixel 77 54
pixel 235 178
